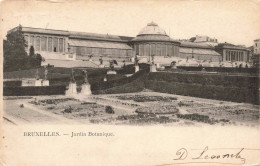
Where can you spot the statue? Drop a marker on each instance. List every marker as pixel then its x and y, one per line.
pixel 153 59
pixel 136 61
pixel 45 73
pixel 111 64
pixel 101 60
pixel 85 88
pixel 85 77
pixel 37 74
pixel 90 57
pixel 72 79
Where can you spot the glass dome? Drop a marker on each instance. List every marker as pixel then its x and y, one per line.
pixel 152 29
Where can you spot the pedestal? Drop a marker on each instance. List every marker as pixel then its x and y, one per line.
pixel 136 68
pixel 72 89
pixel 31 82
pixel 153 68
pixel 85 89
pixel 174 66
pixel 38 83
pixel 45 83
pixel 158 65
pixel 111 72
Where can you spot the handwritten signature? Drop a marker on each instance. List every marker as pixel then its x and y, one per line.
pixel 236 156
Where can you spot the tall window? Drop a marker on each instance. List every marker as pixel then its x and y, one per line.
pixel 146 49
pixel 43 43
pixel 37 43
pixel 137 49
pixel 55 45
pixel 26 41
pixel 50 44
pixel 129 52
pixel 88 50
pixel 173 50
pixel 158 49
pixel 153 49
pixel 141 53
pixel 163 50
pixel 169 50
pixel 117 52
pixel 61 45
pixel 78 49
pixel 31 41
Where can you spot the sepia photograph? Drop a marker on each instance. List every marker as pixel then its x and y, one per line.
pixel 122 68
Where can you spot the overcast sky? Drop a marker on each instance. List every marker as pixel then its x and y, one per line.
pixel 234 21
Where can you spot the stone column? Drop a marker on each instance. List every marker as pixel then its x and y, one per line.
pixel 58 47
pixel 47 43
pixel 134 50
pixel 139 49
pixel 155 49
pixel 166 46
pixel 224 55
pixel 161 48
pixel 150 51
pixel 40 43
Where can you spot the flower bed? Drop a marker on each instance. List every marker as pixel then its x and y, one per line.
pixel 143 98
pixel 158 109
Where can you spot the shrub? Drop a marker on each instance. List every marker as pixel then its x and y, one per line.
pixel 68 110
pixel 34 90
pixel 109 110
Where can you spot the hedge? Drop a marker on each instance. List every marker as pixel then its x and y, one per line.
pixel 34 90
pixel 207 79
pixel 220 69
pixel 12 83
pixel 235 94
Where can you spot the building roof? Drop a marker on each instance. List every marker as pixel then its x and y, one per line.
pixel 152 32
pixel 75 35
pixel 195 45
pixel 45 31
pixel 198 51
pixel 93 36
pixel 99 44
pixel 152 29
pixel 154 38
pixel 231 46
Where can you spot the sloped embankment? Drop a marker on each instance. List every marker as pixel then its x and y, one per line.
pixel 134 83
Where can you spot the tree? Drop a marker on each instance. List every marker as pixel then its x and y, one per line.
pixel 31 51
pixel 15 44
pixel 15 56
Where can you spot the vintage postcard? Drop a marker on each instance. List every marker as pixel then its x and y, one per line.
pixel 130 83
